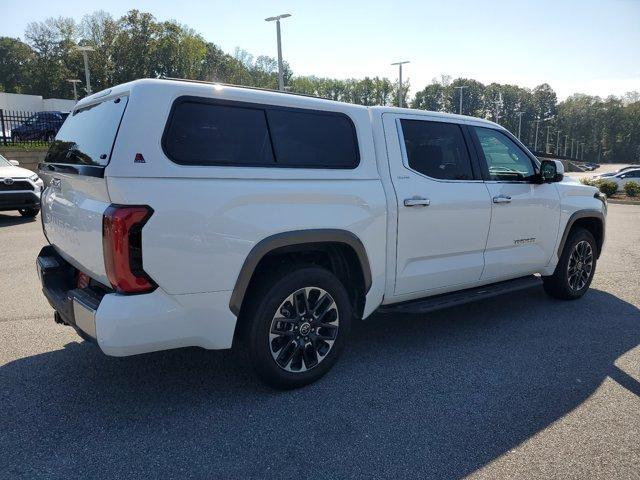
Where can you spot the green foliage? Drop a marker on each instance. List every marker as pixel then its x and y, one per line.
pixel 588 181
pixel 632 189
pixel 137 45
pixel 608 187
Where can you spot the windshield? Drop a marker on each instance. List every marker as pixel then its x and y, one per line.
pixel 88 134
pixel 4 162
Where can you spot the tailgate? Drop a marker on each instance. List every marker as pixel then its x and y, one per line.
pixel 76 193
pixel 72 208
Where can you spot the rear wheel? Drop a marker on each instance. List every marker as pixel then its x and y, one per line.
pixel 575 270
pixel 297 326
pixel 29 212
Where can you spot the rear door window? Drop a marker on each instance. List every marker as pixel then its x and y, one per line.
pixel 437 149
pixel 88 134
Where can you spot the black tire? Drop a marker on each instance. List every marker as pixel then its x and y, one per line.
pixel 49 137
pixel 269 299
pixel 29 212
pixel 561 284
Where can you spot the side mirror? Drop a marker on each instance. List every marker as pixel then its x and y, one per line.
pixel 15 163
pixel 551 171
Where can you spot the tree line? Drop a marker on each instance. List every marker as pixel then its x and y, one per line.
pixel 137 45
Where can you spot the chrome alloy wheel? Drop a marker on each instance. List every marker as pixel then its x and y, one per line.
pixel 304 329
pixel 580 265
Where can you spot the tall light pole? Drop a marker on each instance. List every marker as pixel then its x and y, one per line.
pixel 519 123
pixel 400 80
pixel 498 104
pixel 566 143
pixel 546 145
pixel 535 147
pixel 280 69
pixel 572 140
pixel 461 88
pixel 558 143
pixel 74 81
pixel 85 55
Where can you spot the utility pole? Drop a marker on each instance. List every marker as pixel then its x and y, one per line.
pixel 519 123
pixel 74 81
pixel 85 55
pixel 280 67
pixel 558 143
pixel 400 80
pixel 566 142
pixel 461 88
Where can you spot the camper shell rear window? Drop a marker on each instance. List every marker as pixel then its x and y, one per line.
pixel 88 134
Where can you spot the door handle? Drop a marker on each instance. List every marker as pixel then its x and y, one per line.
pixel 416 201
pixel 502 199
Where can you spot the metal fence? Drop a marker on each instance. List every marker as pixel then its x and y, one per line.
pixel 31 128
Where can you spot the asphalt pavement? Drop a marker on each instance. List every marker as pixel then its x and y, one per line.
pixel 521 386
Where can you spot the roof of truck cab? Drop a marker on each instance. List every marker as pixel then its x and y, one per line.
pixel 254 94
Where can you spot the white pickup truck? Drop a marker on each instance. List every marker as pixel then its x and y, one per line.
pixel 186 213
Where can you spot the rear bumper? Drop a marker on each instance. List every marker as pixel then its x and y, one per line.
pixel 74 306
pixel 19 199
pixel 124 325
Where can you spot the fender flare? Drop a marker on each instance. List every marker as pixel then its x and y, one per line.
pixel 587 213
pixel 292 238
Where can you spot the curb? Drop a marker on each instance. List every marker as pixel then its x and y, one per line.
pixel 623 202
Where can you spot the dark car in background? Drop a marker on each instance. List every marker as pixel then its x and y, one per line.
pixel 39 126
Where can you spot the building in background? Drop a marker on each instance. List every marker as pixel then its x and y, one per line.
pixel 33 103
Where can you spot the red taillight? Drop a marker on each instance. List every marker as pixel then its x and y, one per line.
pixel 122 246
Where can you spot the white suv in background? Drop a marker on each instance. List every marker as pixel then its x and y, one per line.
pixel 192 214
pixel 19 189
pixel 625 176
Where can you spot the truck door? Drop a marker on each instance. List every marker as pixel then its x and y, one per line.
pixel 525 215
pixel 444 208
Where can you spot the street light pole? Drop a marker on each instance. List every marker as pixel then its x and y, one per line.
pixel 461 88
pixel 519 123
pixel 566 143
pixel 85 55
pixel 535 147
pixel 74 81
pixel 280 68
pixel 572 140
pixel 546 146
pixel 400 80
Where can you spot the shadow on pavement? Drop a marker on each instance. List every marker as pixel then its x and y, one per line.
pixel 10 220
pixel 433 397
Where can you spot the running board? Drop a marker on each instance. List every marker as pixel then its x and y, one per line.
pixel 446 300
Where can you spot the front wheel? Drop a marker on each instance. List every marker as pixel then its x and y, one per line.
pixel 576 267
pixel 296 326
pixel 29 212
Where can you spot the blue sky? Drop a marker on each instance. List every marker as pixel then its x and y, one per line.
pixel 583 46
